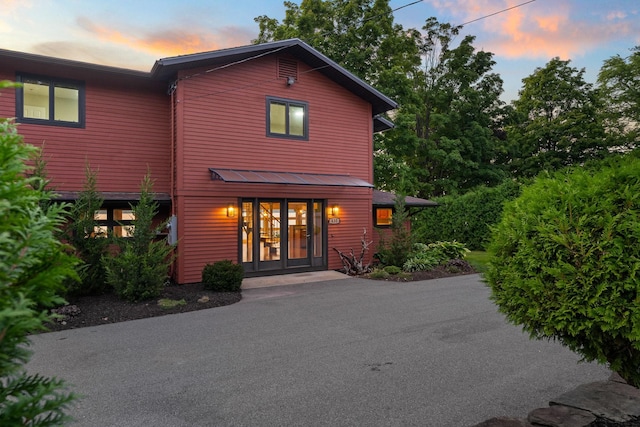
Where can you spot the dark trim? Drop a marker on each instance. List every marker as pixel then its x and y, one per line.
pixel 375 216
pixel 52 83
pixel 288 103
pixel 167 68
pixel 108 196
pixel 381 124
pixel 49 60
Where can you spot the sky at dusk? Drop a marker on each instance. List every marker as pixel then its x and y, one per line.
pixel 135 33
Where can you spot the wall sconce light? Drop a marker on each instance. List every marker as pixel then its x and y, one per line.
pixel 291 81
pixel 231 211
pixel 335 209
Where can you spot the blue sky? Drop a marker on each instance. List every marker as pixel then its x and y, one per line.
pixel 135 33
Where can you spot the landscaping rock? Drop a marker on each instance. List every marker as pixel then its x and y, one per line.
pixel 561 416
pixel 611 403
pixel 203 300
pixel 608 400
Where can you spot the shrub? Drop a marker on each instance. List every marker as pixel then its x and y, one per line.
pixel 33 266
pixel 90 245
pixel 223 276
pixel 566 263
pixel 140 270
pixel 427 257
pixel 392 269
pixel 397 248
pixel 379 273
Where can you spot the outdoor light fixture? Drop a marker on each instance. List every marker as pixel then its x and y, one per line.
pixel 231 211
pixel 291 81
pixel 335 209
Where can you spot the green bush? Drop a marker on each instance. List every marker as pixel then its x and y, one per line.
pixel 395 249
pixel 392 269
pixel 379 273
pixel 465 218
pixel 139 270
pixel 90 246
pixel 223 276
pixel 566 263
pixel 427 257
pixel 33 266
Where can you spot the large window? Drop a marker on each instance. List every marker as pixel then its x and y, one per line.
pixel 287 119
pixel 44 100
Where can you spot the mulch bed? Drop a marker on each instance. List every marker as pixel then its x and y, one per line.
pixel 108 308
pixel 102 309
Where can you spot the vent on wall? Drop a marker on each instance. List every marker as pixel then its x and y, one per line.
pixel 287 68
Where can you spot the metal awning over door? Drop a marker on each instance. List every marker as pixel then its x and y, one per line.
pixel 295 178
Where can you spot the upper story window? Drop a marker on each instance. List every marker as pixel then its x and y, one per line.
pixel 287 119
pixel 50 101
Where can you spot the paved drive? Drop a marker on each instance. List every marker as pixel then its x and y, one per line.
pixel 348 352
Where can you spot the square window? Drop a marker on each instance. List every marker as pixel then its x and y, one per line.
pixel 383 217
pixel 287 119
pixel 49 101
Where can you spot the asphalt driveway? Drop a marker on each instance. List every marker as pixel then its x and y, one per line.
pixel 348 352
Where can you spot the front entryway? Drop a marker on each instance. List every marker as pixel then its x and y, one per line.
pixel 282 234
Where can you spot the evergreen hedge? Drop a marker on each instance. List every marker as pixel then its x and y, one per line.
pixel 566 263
pixel 467 218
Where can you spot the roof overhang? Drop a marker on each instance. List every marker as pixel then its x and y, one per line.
pixel 168 67
pixel 110 196
pixel 381 124
pixel 289 178
pixel 386 199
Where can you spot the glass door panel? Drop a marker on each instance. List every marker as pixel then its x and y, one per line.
pixel 297 228
pixel 247 231
pixel 269 231
pixel 318 234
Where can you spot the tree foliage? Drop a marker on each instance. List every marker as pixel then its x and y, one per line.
pixel 445 138
pixel 87 238
pixel 619 86
pixel 467 218
pixel 395 248
pixel 566 262
pixel 33 265
pixel 554 122
pixel 140 269
pixel 359 34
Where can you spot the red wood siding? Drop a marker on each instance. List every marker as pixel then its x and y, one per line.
pixel 224 124
pixel 127 130
pixel 221 122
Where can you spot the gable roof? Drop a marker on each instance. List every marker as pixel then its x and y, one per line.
pixel 168 67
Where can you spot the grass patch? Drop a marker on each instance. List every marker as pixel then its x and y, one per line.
pixel 170 303
pixel 479 260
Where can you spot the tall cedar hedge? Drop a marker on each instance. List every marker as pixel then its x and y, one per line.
pixel 465 218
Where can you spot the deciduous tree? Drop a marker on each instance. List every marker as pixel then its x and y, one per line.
pixel 619 88
pixel 554 122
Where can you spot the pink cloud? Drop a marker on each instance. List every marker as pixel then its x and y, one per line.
pixel 535 31
pixel 169 41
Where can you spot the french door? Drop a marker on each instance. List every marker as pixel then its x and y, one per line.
pixel 282 234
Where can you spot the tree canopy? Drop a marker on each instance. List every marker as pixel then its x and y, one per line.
pixel 554 122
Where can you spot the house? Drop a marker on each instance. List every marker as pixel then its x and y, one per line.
pixel 260 154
